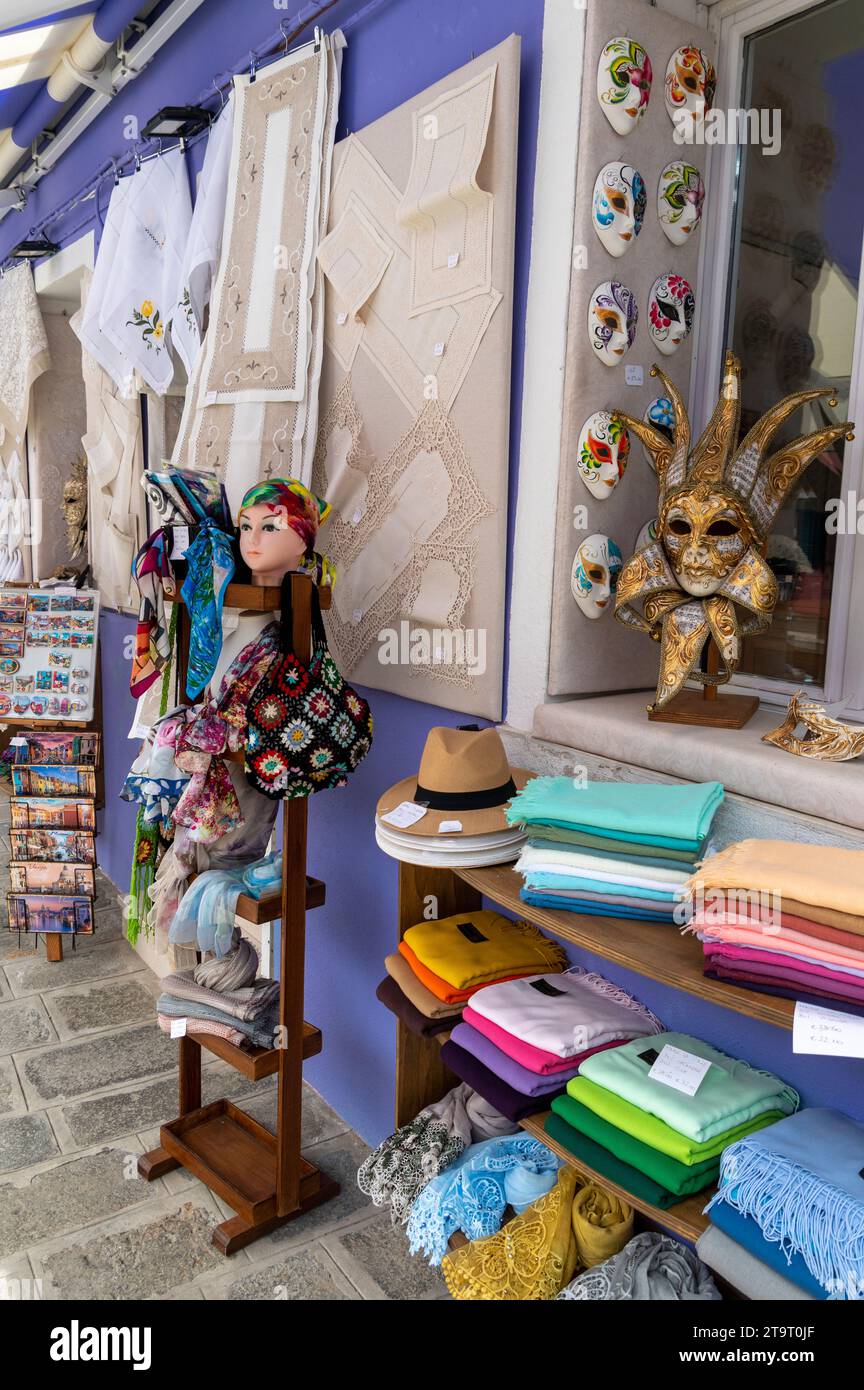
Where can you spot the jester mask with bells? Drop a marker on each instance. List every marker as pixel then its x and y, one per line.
pixel 705 575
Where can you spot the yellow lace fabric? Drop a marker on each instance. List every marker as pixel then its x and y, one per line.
pixel 531 1258
pixel 602 1225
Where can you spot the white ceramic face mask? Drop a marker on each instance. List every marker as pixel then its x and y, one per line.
pixel 661 416
pixel 618 206
pixel 623 83
pixel 603 451
pixel 647 534
pixel 671 306
pixel 594 576
pixel 612 316
pixel 688 90
pixel 680 195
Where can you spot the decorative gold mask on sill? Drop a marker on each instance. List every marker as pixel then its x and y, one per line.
pixel 705 575
pixel 824 736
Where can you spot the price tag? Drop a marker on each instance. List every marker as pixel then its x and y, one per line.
pixel 453 260
pixel 181 542
pixel 405 814
pixel 679 1069
pixel 634 376
pixel 826 1033
pixel 341 318
pixel 178 1027
pixel 438 350
pixel 449 827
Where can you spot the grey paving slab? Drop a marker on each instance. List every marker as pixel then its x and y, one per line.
pixel 375 1257
pixel 145 1255
pixel 319 1122
pixel 23 1024
pixel 11 1096
pixel 17 1284
pixel 339 1158
pixel 308 1275
pixel 105 1004
pixel 74 1069
pixel 31 973
pixel 25 1140
pixel 10 946
pixel 35 1206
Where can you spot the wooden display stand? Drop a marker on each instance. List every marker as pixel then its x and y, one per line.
pixel 707 707
pixel 264 1178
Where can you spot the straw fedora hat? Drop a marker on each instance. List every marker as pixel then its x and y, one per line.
pixel 465 776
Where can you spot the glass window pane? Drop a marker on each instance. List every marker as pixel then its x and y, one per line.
pixel 794 293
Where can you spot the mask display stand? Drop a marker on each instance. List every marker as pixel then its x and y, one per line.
pixel 707 706
pixel 262 1177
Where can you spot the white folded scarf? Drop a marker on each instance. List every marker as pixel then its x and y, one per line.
pixel 579 865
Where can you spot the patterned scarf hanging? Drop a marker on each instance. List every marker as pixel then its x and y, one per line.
pixel 150 837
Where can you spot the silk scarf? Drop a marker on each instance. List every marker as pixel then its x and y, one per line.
pixel 650 813
pixel 652 1268
pixel 820 874
pixel 680 1178
pixel 439 987
pixel 472 948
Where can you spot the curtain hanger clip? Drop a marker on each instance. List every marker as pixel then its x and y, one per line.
pixel 253 68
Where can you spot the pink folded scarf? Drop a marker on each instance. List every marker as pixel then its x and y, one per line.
pixel 532 1058
pixel 760 936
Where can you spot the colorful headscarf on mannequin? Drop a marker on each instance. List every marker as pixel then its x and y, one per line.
pixel 302 510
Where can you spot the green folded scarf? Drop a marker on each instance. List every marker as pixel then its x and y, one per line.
pixel 681 1178
pixel 656 1133
pixel 643 1188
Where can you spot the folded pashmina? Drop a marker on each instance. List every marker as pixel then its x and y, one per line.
pixel 529 1260
pixel 786 1263
pixel 652 1131
pixel 505 1099
pixel 541 879
pixel 248 1004
pixel 260 1031
pixel 750 908
pixel 763 985
pixel 681 1178
pixel 607 1165
pixel 537 858
pixel 658 814
pixel 204 1025
pixel 444 991
pixel 236 970
pixel 602 1224
pixel 390 995
pixel 652 1268
pixel 780 960
pixel 473 948
pixel 416 993
pixel 730 1093
pixel 623 905
pixel 790 972
pixel 401 1166
pixel 565 1014
pixel 590 909
pixel 819 874
pixel 744 1271
pixel 801 1182
pixel 529 1083
pixel 470 1196
pixel 540 1063
pixel 620 850
pixel 796 943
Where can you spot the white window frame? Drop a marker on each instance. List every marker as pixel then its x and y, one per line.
pixel 733 21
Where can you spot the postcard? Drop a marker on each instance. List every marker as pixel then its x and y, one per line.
pixel 41 912
pixel 35 638
pixel 13 598
pixel 64 846
pixel 53 780
pixel 57 749
pixel 12 615
pixel 40 876
pixel 50 813
pixel 38 603
pixel 11 646
pixel 82 604
pixel 62 659
pixel 13 630
pixel 61 603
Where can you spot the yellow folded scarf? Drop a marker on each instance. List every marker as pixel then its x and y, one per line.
pixel 478 947
pixel 602 1225
pixel 819 874
pixel 530 1258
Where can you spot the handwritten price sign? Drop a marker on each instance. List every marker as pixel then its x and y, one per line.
pixel 825 1033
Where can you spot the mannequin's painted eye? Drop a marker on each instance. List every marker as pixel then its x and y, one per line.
pixel 679 526
pixel 723 527
pixel 245 526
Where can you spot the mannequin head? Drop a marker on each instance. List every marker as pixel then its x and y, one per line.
pixel 618 207
pixel 671 306
pixel 278 523
pixel 612 315
pixel 623 83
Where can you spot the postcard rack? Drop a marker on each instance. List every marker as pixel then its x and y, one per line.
pixel 263 1177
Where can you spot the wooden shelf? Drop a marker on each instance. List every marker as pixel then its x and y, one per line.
pixel 269 907
pixel 255 598
pixel 684 1219
pixel 655 949
pixel 257 1062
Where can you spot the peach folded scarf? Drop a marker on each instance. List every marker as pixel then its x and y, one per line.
pixel 781 942
pixel 821 875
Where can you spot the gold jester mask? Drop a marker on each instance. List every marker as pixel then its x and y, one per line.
pixel 705 575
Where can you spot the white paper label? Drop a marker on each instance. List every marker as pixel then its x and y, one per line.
pixel 17 743
pixel 178 1027
pixel 357 517
pixel 449 827
pixel 438 350
pixel 405 814
pixel 341 318
pixel 357 615
pixel 827 1033
pixel 453 260
pixel 181 542
pixel 679 1069
pixel 634 376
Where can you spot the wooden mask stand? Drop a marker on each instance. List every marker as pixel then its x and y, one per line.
pixel 707 706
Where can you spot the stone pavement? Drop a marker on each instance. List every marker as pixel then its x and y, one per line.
pixel 86 1079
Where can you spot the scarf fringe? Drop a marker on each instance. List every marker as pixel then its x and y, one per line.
pixel 800 1212
pixel 600 985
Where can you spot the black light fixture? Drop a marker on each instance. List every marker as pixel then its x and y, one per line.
pixel 177 122
pixel 32 249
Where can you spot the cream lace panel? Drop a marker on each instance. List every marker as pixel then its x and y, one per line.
pixel 23 348
pixel 355 256
pixel 344 467
pixel 449 217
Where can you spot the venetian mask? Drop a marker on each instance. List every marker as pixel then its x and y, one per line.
pixel 704 533
pixel 594 576
pixel 689 86
pixel 623 83
pixel 603 451
pixel 680 195
pixel 647 534
pixel 659 415
pixel 618 207
pixel 612 316
pixel 822 734
pixel 671 306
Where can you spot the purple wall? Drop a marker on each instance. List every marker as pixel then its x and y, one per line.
pixel 397 50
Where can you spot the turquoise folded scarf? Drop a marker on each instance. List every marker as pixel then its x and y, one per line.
pixel 590 908
pixel 665 814
pixel 540 881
